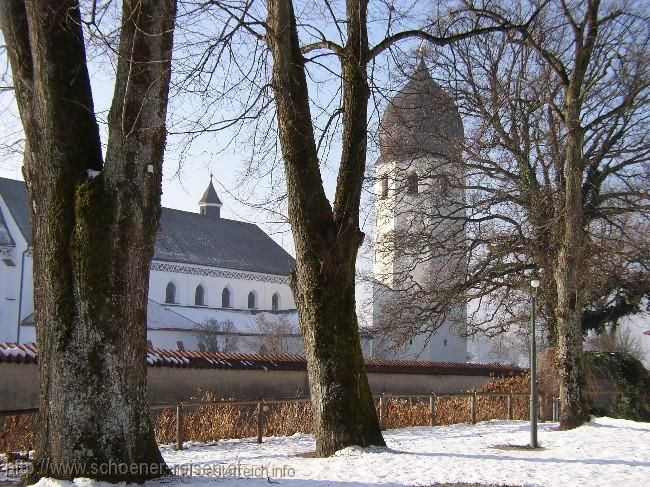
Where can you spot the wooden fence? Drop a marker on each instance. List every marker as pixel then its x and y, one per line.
pixel 261 406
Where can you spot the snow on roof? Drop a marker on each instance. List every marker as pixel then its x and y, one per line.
pixel 27 353
pixel 12 353
pixel 162 317
pixel 243 320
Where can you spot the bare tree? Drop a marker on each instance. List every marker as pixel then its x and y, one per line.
pixel 217 336
pixel 94 223
pixel 554 177
pixel 327 236
pixel 275 336
pixel 617 339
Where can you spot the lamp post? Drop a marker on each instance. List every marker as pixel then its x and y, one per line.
pixel 534 284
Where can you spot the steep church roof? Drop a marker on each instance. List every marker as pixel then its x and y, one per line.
pixel 188 238
pixel 420 120
pixel 196 239
pixel 210 196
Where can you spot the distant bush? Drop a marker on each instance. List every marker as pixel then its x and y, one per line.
pixel 629 379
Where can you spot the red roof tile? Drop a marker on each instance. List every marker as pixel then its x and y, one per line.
pixel 27 353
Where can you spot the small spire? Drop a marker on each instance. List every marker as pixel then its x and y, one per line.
pixel 210 204
pixel 421 50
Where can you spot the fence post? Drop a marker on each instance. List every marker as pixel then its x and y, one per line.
pixel 554 409
pixel 432 409
pixel 474 408
pixel 511 407
pixel 179 426
pixel 382 411
pixel 260 422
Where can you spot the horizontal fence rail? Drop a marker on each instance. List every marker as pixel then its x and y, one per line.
pixel 261 406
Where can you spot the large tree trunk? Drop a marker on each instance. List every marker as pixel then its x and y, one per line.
pixel 569 308
pixel 94 227
pixel 568 267
pixel 570 261
pixel 327 240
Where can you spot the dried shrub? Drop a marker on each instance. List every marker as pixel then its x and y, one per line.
pixel 17 434
pixel 403 412
pixel 214 421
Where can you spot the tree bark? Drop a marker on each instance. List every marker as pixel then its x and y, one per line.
pixel 326 239
pixel 94 226
pixel 570 259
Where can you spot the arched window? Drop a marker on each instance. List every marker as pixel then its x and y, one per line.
pixel 384 187
pixel 225 298
pixel 251 300
pixel 275 302
pixel 412 183
pixel 199 296
pixel 170 293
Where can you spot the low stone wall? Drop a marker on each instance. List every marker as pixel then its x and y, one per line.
pixel 19 384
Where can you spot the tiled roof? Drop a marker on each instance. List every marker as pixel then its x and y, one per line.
pixel 12 353
pixel 189 238
pixel 192 238
pixel 239 361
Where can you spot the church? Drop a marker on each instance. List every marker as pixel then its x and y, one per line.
pixel 214 283
pixel 223 285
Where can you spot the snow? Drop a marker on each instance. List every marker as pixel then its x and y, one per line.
pixel 604 452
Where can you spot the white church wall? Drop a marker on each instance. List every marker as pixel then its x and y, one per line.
pixel 10 297
pixel 27 334
pixel 187 281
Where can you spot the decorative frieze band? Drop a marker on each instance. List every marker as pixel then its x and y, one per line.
pixel 212 272
pixel 6 251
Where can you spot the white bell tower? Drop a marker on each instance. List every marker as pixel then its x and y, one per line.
pixel 419 233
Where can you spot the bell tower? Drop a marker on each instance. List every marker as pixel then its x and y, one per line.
pixel 419 233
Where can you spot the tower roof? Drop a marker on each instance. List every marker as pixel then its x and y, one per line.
pixel 421 119
pixel 210 196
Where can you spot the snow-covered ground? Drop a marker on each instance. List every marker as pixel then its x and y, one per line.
pixel 604 452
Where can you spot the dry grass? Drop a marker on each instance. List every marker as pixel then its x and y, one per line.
pixel 212 422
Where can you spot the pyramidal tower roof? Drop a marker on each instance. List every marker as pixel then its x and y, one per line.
pixel 421 119
pixel 210 196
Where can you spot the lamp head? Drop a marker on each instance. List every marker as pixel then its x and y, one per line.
pixel 534 283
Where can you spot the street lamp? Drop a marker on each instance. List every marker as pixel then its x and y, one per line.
pixel 534 284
